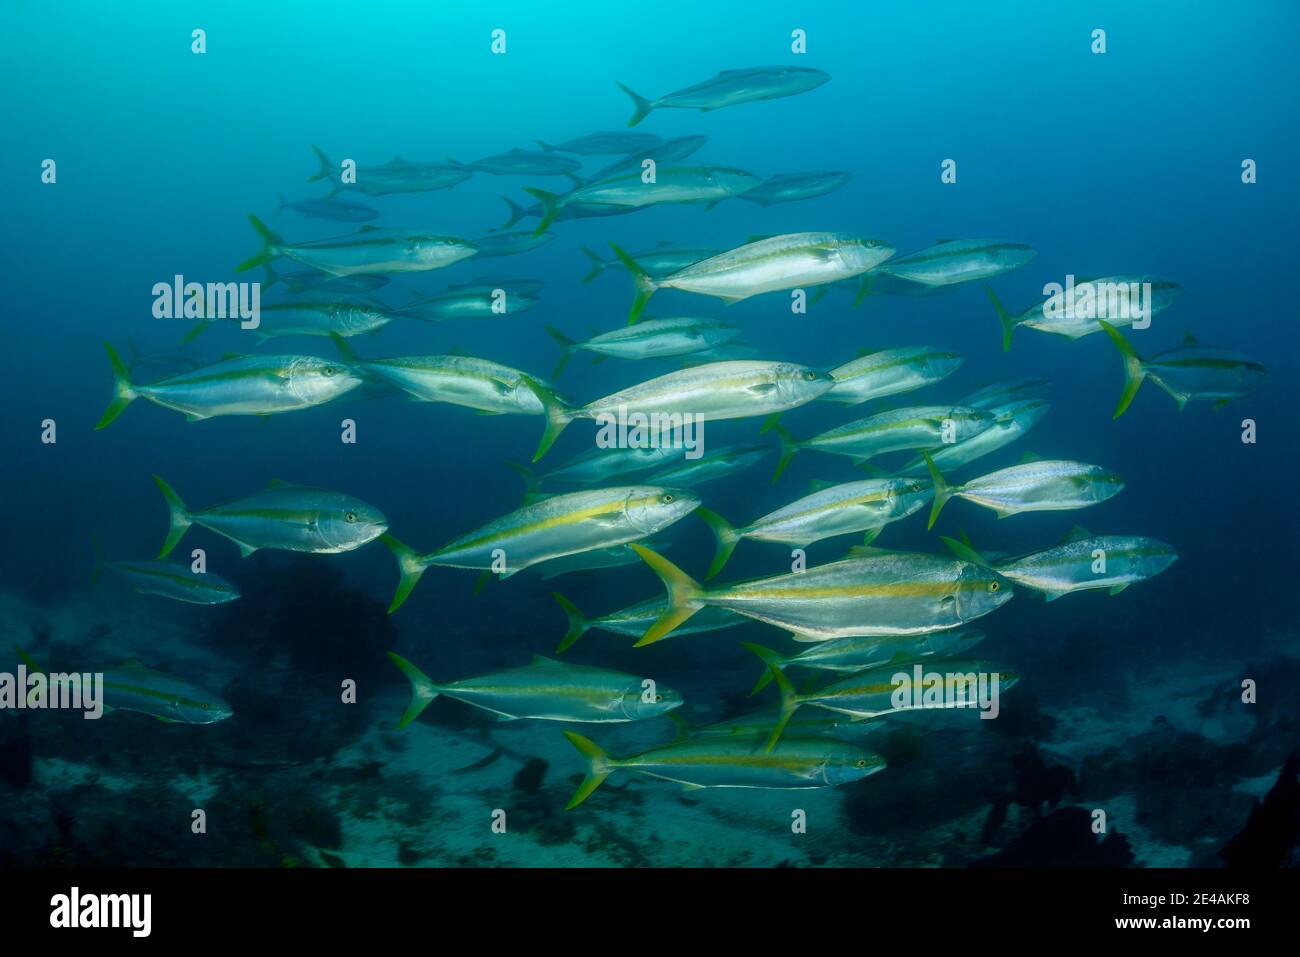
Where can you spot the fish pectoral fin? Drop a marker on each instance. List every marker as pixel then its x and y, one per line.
pixel 802 637
pixel 1119 588
pixel 687 786
pixel 761 388
pixel 165 720
pixel 507 717
pixel 195 417
pixel 245 550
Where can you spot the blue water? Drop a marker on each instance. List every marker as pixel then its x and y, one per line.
pixel 1127 162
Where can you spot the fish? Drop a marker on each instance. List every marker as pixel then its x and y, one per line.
pixel 1189 373
pixel 329 208
pixel 1010 422
pixel 312 317
pixel 663 260
pixel 604 144
pixel 635 619
pixel 793 187
pixel 875 375
pixel 597 464
pixel 672 184
pixel 730 88
pixel 551 528
pixel 789 261
pixel 546 690
pixel 566 212
pixel 1043 485
pixel 315 281
pixel 715 464
pixel 474 302
pixel 861 652
pixel 173 580
pixel 370 250
pixel 913 427
pixel 708 762
pixel 395 176
pixel 1082 562
pixel 664 153
pixel 519 162
pixel 1003 393
pixel 294 518
pixel 615 556
pixel 873 592
pixel 717 390
pixel 871 693
pixel 649 339
pixel 959 260
pixel 1108 298
pixel 133 686
pixel 171 361
pixel 508 244
pixel 245 385
pixel 841 509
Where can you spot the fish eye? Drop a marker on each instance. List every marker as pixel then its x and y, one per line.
pixel 860 763
pixel 667 498
pixel 994 586
pixel 658 698
pixel 350 517
pixel 328 371
pixel 809 375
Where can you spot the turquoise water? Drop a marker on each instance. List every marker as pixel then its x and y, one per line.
pixel 1124 162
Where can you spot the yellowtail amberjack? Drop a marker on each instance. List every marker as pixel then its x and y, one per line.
pixel 1042 485
pixel 733 762
pixel 791 261
pixel 635 619
pixel 793 187
pixel 604 144
pixel 914 427
pixel 551 528
pixel 629 190
pixel 1109 299
pixel 836 510
pixel 717 390
pixel 866 651
pixel 730 88
pixel 245 385
pixel 874 692
pixel 959 260
pixel 712 465
pixel 1190 373
pixel 663 260
pixel 651 339
pixel 1080 563
pixel 1001 393
pixel 293 518
pixel 1010 422
pixel 306 317
pixel 396 176
pixel 547 690
pixel 132 686
pixel 874 592
pixel 173 580
pixel 478 300
pixel 369 250
pixel 874 375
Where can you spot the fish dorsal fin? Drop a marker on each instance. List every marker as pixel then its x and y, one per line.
pixel 867 551
pixel 1076 534
pixel 816 485
pixel 1190 340
pixel 542 661
pixel 398 161
pixel 277 483
pixel 939 241
pixel 232 355
pixel 759 237
pixel 864 351
pixel 367 228
pixel 1030 457
pixel 133 664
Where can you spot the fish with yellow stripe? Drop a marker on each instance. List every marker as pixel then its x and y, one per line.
pixel 550 528
pixel 873 592
pixel 546 690
pixel 727 762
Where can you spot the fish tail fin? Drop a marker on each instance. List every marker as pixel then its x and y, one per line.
pixel 726 535
pixel 531 479
pixel 517 212
pixel 789 444
pixel 550 207
pixel 558 414
pixel 409 568
pixel 1008 321
pixel 864 289
pixel 597 264
pixel 578 624
pixel 566 344
pixel 326 168
pixel 272 277
pixel 423 690
pixel 123 391
pixel 271 244
pixel 1134 373
pixel 645 286
pixel 942 490
pixel 684 595
pixel 789 697
pixel 26 659
pixel 194 333
pixel 598 768
pixel 964 551
pixel 770 660
pixel 641 106
pixel 178 516
pixel 547 147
